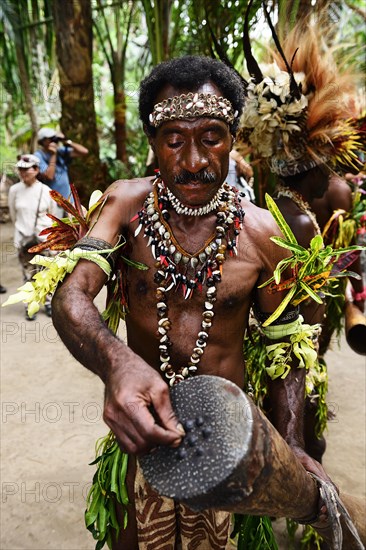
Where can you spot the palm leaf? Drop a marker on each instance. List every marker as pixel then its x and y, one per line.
pixel 334 217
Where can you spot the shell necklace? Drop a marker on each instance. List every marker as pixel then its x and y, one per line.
pixel 185 272
pixel 187 211
pixel 304 206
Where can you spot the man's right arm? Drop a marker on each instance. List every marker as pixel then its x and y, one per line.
pixel 48 170
pixel 132 387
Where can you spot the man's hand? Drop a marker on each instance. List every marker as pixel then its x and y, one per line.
pixel 313 466
pixel 138 410
pixel 310 464
pixel 52 147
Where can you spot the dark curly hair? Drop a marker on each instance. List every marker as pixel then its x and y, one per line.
pixel 188 73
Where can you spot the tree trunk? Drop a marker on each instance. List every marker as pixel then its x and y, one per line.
pixel 24 79
pixel 73 26
pixel 166 11
pixel 120 125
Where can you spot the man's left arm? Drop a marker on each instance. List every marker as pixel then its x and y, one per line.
pixel 287 401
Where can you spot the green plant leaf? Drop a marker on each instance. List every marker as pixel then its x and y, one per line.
pixel 291 246
pixel 316 243
pixel 346 274
pixel 280 220
pixel 137 265
pixel 287 299
pixel 310 292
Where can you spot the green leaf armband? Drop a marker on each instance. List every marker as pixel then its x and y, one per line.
pixel 301 343
pixel 55 269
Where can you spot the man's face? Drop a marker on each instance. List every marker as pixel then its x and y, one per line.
pixel 193 154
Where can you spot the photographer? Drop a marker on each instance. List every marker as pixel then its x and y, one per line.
pixel 55 158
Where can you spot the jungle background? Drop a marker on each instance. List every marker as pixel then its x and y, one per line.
pixel 76 65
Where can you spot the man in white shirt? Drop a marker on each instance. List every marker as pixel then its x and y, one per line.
pixel 29 204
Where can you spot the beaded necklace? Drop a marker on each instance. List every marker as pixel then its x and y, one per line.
pixel 300 202
pixel 185 272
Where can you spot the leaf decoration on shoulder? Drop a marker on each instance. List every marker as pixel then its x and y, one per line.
pixel 62 239
pixel 64 233
pixel 312 268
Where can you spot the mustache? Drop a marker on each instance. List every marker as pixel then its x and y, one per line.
pixel 186 177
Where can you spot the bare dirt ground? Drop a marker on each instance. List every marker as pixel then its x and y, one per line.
pixel 51 417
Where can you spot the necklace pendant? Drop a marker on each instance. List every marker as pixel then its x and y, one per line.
pixel 172 284
pixel 138 229
pixel 163 261
pixel 188 293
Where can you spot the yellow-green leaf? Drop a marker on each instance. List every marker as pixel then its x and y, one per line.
pixel 94 197
pixel 15 298
pixel 280 220
pixel 287 299
pixel 33 308
pixel 311 293
pixel 290 246
pixel 317 243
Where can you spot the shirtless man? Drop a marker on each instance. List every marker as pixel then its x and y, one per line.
pixel 294 197
pixel 193 153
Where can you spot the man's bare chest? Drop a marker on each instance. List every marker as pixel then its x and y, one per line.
pixel 231 281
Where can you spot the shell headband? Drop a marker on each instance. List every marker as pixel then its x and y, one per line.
pixel 192 105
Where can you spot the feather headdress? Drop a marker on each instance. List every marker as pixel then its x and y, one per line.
pixel 297 112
